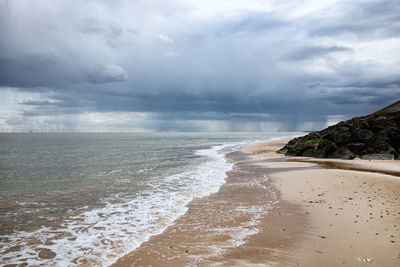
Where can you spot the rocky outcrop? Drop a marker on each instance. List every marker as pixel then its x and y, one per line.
pixel 378 133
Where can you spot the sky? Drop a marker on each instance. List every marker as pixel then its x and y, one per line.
pixel 190 65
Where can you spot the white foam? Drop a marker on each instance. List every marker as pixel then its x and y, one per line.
pixel 100 236
pixel 116 171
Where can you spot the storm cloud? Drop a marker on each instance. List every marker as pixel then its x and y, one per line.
pixel 195 65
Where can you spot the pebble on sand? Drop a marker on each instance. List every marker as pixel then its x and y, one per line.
pixel 46 253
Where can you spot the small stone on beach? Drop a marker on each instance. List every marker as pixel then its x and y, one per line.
pixel 46 253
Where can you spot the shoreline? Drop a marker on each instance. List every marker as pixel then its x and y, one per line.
pixel 352 209
pixel 275 210
pixel 213 225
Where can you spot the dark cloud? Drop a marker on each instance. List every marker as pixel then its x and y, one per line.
pixel 171 126
pixel 250 23
pixel 34 70
pixel 108 74
pixel 186 64
pixel 37 103
pixel 98 27
pixel 362 95
pixel 369 19
pixel 316 51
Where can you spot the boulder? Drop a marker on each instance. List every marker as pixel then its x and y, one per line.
pixel 343 153
pixel 356 148
pixel 364 134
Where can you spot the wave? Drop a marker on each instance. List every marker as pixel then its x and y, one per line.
pixel 99 236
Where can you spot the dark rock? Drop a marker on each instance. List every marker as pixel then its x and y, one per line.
pixel 316 153
pixel 282 151
pixel 378 133
pixel 356 148
pixel 394 137
pixel 381 123
pixel 364 134
pixel 328 146
pixel 362 123
pixel 381 145
pixel 343 153
pixel 342 137
pixel 328 136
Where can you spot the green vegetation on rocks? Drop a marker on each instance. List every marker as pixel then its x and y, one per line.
pixel 377 133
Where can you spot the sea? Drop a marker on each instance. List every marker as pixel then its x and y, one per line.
pixel 72 199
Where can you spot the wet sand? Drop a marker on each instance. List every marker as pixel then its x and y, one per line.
pixel 280 211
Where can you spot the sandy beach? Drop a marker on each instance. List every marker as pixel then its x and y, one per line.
pixel 282 211
pixel 352 208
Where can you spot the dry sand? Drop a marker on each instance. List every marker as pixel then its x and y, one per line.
pixel 280 211
pixel 352 208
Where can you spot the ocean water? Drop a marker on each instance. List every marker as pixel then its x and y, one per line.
pixel 88 199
